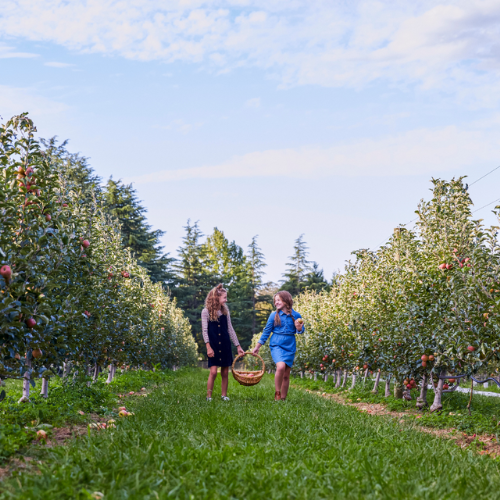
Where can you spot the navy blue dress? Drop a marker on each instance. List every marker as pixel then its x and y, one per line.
pixel 220 342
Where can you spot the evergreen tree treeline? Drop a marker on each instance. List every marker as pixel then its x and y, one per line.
pixel 201 263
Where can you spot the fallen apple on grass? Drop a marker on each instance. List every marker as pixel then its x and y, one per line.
pixel 41 435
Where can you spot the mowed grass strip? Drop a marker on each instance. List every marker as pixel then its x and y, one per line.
pixel 180 446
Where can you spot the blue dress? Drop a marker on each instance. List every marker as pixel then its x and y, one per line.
pixel 283 346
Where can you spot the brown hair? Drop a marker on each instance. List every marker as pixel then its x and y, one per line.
pixel 286 298
pixel 213 304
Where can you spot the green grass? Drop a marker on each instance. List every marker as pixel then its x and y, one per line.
pixel 180 446
pixel 484 417
pixel 67 398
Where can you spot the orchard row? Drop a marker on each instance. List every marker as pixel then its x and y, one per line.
pixel 422 308
pixel 70 294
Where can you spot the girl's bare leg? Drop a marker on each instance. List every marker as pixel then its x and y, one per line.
pixel 286 382
pixel 224 371
pixel 211 380
pixel 280 373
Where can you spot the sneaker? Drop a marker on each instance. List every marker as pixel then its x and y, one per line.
pixel 209 399
pixel 224 398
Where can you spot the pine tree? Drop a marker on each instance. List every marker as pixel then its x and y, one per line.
pixel 193 280
pixel 256 264
pixel 121 201
pixel 315 279
pixel 298 268
pixel 226 262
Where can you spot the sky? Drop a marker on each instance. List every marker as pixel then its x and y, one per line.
pixel 269 118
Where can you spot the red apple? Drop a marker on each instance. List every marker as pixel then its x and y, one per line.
pixel 30 323
pixel 424 364
pixel 41 435
pixel 85 243
pixel 431 358
pixel 471 348
pixel 425 357
pixel 36 353
pixel 6 273
pixel 446 387
pixel 48 217
pixel 442 266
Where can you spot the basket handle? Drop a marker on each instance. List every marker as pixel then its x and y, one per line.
pixel 249 352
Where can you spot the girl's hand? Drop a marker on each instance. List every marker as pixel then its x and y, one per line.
pixel 241 351
pixel 255 350
pixel 210 351
pixel 299 324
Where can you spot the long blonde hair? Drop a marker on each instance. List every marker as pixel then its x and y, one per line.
pixel 286 298
pixel 213 305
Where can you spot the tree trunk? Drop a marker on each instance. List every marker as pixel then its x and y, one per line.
pixel 315 376
pixel 301 374
pixel 339 379
pixel 364 378
pixel 377 381
pixel 66 368
pixel 45 388
pixel 111 374
pixel 438 394
pixel 398 389
pixel 345 378
pixel 96 373
pixel 326 377
pixel 387 386
pixel 26 383
pixel 75 375
pixel 422 399
pixel 353 380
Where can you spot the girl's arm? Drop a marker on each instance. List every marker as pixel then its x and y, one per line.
pixel 232 334
pixel 267 329
pixel 204 331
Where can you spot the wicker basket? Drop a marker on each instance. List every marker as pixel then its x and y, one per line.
pixel 242 376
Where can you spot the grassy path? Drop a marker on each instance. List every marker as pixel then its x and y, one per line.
pixel 180 446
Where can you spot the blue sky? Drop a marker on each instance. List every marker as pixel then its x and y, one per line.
pixel 326 118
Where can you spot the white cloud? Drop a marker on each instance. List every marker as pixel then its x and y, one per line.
pixel 421 151
pixel 14 101
pixel 181 126
pixel 58 65
pixel 7 52
pixel 253 103
pixel 448 44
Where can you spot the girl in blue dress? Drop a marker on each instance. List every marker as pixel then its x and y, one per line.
pixel 284 324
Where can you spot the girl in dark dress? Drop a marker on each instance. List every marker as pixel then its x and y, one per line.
pixel 218 333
